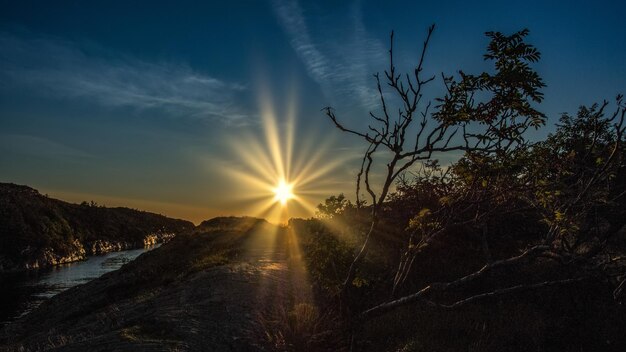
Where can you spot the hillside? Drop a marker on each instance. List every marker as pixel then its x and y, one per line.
pixel 200 292
pixel 37 231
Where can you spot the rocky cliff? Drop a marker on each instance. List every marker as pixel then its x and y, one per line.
pixel 37 231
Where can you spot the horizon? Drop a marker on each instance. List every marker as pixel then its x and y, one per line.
pixel 88 201
pixel 201 112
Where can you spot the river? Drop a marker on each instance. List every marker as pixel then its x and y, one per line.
pixel 22 292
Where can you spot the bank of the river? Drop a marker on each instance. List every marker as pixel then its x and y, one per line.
pixel 24 291
pixel 37 231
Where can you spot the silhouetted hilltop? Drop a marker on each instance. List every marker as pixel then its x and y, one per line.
pixel 38 231
pixel 230 223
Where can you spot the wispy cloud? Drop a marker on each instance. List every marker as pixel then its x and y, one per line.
pixel 64 69
pixel 344 70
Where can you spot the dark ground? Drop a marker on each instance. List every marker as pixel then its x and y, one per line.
pixel 200 292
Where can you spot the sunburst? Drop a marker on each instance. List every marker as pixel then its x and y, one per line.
pixel 278 178
pixel 283 192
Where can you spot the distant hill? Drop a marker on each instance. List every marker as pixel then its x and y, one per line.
pixel 37 231
pixel 229 223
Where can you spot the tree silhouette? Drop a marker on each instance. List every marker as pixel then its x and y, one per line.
pixel 486 113
pixel 558 186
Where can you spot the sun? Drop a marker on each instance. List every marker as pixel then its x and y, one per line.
pixel 280 170
pixel 283 192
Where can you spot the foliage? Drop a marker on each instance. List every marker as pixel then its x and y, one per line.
pixel 302 328
pixel 333 206
pixel 576 173
pixel 485 115
pixel 508 110
pixel 509 217
pixel 326 255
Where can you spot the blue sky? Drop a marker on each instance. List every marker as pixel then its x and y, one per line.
pixel 139 103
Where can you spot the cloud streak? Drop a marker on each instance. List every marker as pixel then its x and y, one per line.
pixel 63 69
pixel 344 72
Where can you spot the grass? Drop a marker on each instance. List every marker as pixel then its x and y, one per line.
pixel 210 261
pixel 300 328
pixel 148 333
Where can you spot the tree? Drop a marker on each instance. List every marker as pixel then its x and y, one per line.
pixel 333 206
pixel 487 113
pixel 559 185
pixel 573 182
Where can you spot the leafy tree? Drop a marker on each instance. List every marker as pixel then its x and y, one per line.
pixel 571 186
pixel 333 206
pixel 568 190
pixel 486 113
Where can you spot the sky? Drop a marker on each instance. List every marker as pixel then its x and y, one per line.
pixel 196 109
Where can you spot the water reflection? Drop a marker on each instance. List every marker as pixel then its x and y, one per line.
pixel 22 292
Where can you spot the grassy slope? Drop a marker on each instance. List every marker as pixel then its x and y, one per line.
pixel 140 304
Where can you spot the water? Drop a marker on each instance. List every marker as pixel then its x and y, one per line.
pixel 22 292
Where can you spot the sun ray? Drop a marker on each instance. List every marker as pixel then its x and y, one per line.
pixel 290 130
pixel 280 172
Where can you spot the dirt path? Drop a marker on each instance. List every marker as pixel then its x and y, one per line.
pixel 215 309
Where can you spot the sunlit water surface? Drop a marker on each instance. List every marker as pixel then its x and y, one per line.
pixel 22 292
